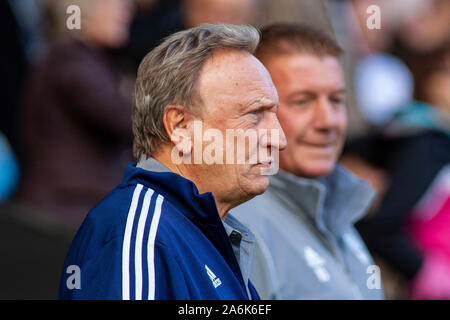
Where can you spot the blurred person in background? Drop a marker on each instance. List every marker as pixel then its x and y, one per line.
pixel 14 62
pixel 422 40
pixel 154 20
pixel 9 170
pixel 307 245
pixel 76 130
pixel 410 227
pixel 410 143
pixel 76 123
pixel 19 24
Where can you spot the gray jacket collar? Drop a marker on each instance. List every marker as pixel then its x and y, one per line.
pixel 151 164
pixel 333 202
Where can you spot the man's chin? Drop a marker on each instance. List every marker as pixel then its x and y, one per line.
pixel 317 169
pixel 260 185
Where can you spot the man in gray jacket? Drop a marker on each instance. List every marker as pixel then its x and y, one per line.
pixel 307 246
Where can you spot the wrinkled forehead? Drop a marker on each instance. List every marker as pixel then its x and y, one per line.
pixel 235 77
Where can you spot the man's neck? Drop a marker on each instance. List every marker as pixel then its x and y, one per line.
pixel 189 172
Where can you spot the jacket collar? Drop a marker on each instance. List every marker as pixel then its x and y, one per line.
pixel 175 188
pixel 333 202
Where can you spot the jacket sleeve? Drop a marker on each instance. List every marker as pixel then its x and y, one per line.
pixel 103 276
pixel 96 277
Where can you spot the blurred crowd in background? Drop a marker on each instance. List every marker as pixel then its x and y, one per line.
pixel 66 137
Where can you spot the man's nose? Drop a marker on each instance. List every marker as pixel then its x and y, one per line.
pixel 275 137
pixel 325 116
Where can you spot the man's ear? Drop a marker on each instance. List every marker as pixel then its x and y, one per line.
pixel 176 121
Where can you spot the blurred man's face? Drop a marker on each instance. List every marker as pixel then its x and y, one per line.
pixel 237 93
pixel 107 22
pixel 312 111
pixel 223 11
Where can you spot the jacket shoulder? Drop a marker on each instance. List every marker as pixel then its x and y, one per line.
pixel 123 248
pixel 131 210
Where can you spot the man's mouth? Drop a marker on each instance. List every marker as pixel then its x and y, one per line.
pixel 266 161
pixel 319 145
pixel 266 164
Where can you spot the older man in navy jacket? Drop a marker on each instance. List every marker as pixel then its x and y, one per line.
pixel 164 232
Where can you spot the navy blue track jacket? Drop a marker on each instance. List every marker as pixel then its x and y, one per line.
pixel 153 237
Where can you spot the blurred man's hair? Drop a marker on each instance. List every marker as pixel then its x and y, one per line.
pixel 168 74
pixel 291 38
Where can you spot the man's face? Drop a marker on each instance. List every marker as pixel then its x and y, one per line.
pixel 312 111
pixel 223 11
pixel 107 24
pixel 237 93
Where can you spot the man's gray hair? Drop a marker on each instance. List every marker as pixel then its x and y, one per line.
pixel 168 74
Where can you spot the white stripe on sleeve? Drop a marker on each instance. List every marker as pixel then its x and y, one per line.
pixel 126 243
pixel 138 248
pixel 151 247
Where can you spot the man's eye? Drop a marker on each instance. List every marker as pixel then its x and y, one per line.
pixel 255 112
pixel 301 102
pixel 337 101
